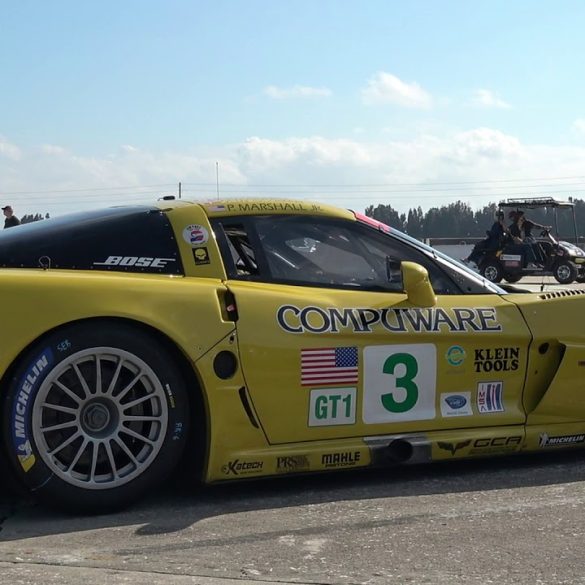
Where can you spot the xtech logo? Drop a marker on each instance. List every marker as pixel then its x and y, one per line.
pixel 237 467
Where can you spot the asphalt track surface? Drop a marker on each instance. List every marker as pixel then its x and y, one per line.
pixel 517 520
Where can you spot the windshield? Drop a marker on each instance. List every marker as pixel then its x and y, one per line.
pixel 453 266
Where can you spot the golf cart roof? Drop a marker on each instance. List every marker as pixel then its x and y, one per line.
pixel 535 202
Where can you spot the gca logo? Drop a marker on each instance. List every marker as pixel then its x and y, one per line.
pixel 141 261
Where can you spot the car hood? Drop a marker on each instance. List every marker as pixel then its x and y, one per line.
pixel 553 315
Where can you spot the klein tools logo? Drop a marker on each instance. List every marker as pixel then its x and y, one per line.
pixel 496 359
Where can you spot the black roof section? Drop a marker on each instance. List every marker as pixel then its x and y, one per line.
pixel 123 239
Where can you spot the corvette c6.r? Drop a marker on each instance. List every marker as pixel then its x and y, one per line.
pixel 248 338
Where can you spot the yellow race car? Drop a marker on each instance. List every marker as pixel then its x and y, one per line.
pixel 248 338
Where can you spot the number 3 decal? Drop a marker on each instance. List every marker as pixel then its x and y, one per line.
pixel 399 383
pixel 406 382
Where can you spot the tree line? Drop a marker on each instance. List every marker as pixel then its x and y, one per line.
pixel 30 217
pixel 459 220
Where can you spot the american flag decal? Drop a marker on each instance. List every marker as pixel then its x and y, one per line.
pixel 329 365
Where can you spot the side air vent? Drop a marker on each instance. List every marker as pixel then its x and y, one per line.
pixel 561 293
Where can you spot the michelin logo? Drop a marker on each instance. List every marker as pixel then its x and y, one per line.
pixel 546 441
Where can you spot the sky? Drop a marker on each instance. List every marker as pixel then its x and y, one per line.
pixel 354 103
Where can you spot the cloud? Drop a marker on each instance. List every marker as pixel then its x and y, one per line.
pixel 484 98
pixel 53 150
pixel 297 91
pixel 485 143
pixel 478 165
pixel 8 150
pixel 385 88
pixel 579 126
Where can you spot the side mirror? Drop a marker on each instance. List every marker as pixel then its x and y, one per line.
pixel 417 285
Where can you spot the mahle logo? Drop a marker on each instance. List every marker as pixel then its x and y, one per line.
pixel 455 355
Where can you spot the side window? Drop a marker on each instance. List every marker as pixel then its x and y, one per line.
pixel 318 251
pixel 241 251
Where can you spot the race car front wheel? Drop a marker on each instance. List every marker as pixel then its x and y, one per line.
pixel 95 416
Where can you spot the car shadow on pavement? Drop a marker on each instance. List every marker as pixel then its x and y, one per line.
pixel 176 507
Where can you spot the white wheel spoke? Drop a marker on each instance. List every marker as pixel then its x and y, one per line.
pixel 60 408
pixel 129 387
pixel 67 391
pixel 66 443
pixel 111 459
pixel 136 435
pixel 98 375
pixel 115 377
pixel 82 380
pixel 60 427
pixel 124 448
pixel 132 418
pixel 78 455
pixel 94 460
pixel 140 400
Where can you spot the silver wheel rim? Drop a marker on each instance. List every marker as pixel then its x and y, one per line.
pixel 563 272
pixel 491 273
pixel 100 418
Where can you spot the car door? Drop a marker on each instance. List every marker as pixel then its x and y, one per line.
pixel 331 346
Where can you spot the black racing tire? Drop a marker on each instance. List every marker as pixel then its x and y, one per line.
pixel 492 271
pixel 565 272
pixel 512 278
pixel 96 414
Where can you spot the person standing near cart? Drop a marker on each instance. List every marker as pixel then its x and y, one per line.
pixel 11 219
pixel 521 232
